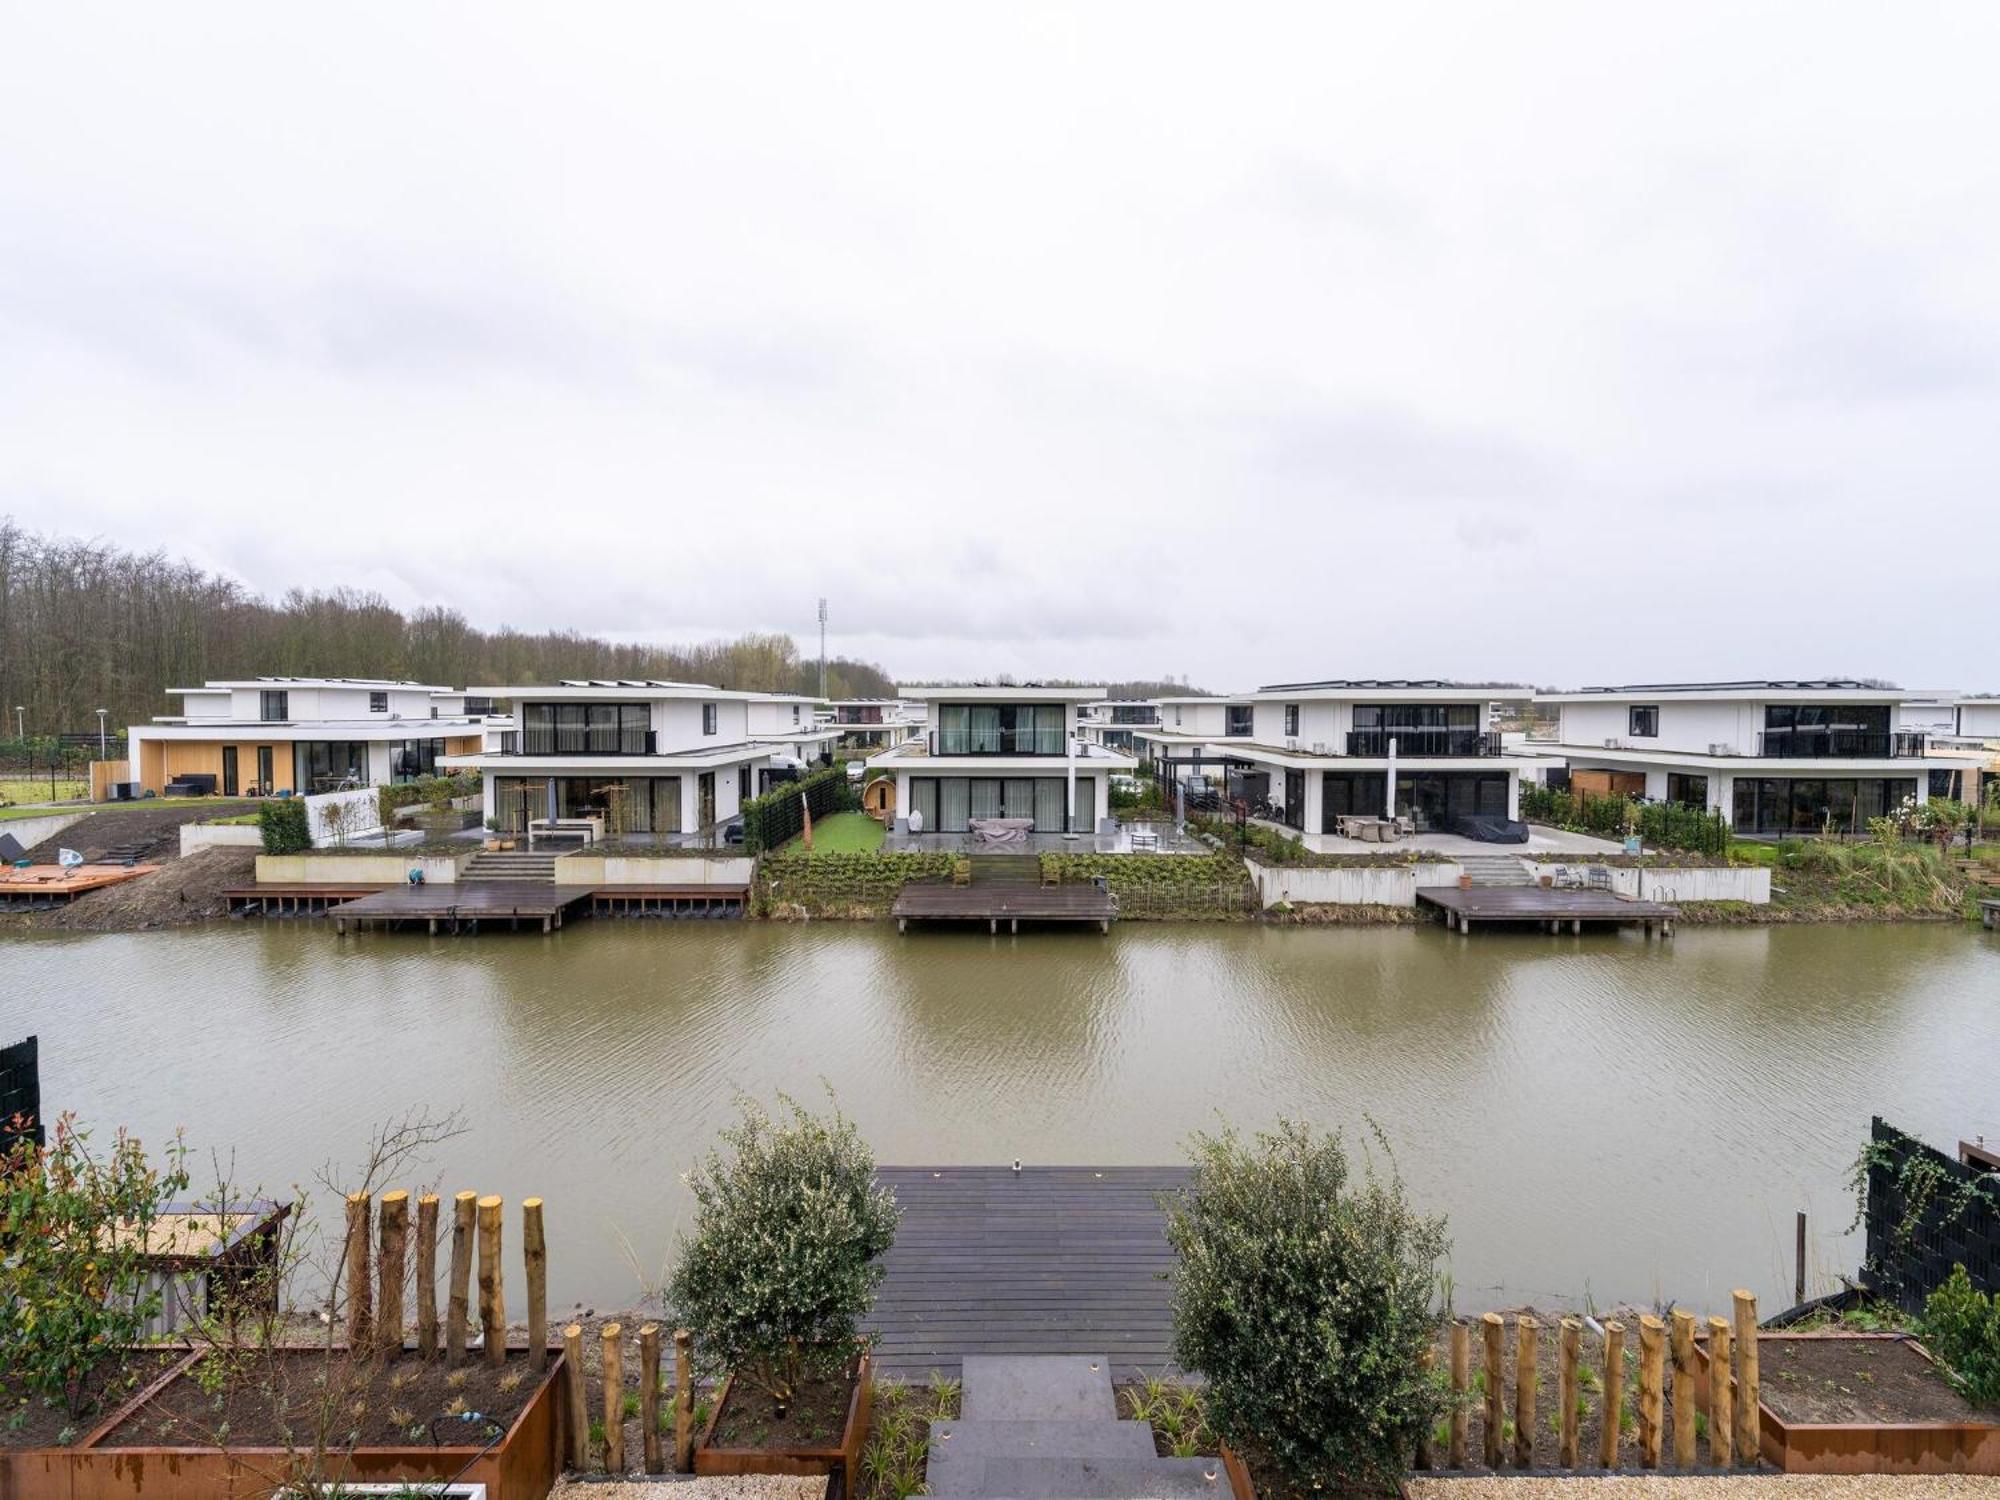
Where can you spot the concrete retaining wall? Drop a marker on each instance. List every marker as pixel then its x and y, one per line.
pixel 1751 883
pixel 28 832
pixel 618 869
pixel 1348 885
pixel 220 836
pixel 357 869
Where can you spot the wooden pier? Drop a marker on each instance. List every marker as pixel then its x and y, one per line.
pixel 670 900
pixel 298 899
pixel 1004 902
pixel 463 906
pixel 39 886
pixel 1049 1260
pixel 1539 906
pixel 1989 914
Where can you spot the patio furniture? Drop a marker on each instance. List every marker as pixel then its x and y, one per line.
pixel 1001 833
pixel 1145 841
pixel 1406 826
pixel 586 831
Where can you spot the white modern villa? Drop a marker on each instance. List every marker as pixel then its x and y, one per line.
pixel 1777 757
pixel 264 736
pixel 1001 752
pixel 1314 754
pixel 793 726
pixel 1114 723
pixel 875 722
pixel 645 757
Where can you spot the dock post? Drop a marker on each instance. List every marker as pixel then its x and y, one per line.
pixel 1014 925
pixel 993 926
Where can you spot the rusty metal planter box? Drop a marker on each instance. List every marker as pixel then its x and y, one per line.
pixel 1867 1447
pixel 844 1456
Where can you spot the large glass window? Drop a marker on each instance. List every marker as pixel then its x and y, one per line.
pixel 413 758
pixel 1291 720
pixel 1816 729
pixel 1349 794
pixel 274 705
pixel 627 804
pixel 585 729
pixel 517 799
pixel 1810 804
pixel 329 765
pixel 1642 721
pixel 1688 791
pixel 1418 729
pixel 999 729
pixel 1236 720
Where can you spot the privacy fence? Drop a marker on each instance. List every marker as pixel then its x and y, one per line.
pixel 20 1093
pixel 1664 825
pixel 1924 1213
pixel 779 815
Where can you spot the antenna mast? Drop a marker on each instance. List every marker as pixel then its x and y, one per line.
pixel 822 649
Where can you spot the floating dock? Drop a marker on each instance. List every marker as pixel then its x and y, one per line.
pixel 1539 906
pixel 1004 902
pixel 1047 1260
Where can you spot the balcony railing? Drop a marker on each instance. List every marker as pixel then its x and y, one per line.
pixel 997 741
pixel 1424 742
pixel 577 742
pixel 1839 744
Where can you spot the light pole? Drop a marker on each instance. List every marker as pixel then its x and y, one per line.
pixel 20 721
pixel 101 714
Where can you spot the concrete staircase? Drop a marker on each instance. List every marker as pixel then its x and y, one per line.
pixel 1046 1427
pixel 516 867
pixel 1494 869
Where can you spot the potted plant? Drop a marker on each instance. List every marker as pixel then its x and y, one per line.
pixel 1304 1299
pixel 782 1265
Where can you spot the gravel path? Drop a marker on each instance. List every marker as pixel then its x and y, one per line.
pixel 734 1487
pixel 1714 1487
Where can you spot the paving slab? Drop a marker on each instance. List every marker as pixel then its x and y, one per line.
pixel 952 1442
pixel 1037 1387
pixel 1026 1478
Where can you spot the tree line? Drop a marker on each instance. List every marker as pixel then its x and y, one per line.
pixel 85 624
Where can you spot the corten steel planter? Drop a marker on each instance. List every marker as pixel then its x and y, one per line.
pixel 520 1465
pixel 1942 1447
pixel 844 1456
pixel 1240 1485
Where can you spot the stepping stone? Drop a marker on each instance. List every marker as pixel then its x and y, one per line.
pixel 1018 1478
pixel 1030 1387
pixel 954 1442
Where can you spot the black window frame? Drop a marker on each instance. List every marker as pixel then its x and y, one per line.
pixel 711 718
pixel 1291 721
pixel 1642 721
pixel 378 701
pixel 274 705
pixel 1239 721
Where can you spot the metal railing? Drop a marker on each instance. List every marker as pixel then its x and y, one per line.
pixel 998 741
pixel 1424 742
pixel 1839 744
pixel 577 741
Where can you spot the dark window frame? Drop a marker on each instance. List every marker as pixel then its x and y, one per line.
pixel 378 702
pixel 711 717
pixel 1642 721
pixel 1291 721
pixel 274 705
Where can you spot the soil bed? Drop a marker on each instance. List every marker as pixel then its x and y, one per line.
pixel 108 1385
pixel 1827 1380
pixel 280 1401
pixel 816 1418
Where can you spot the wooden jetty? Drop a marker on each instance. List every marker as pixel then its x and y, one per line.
pixel 297 899
pixel 1539 906
pixel 463 906
pixel 58 885
pixel 997 902
pixel 1989 914
pixel 670 900
pixel 1047 1260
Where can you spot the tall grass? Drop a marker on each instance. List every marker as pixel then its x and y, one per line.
pixel 1912 877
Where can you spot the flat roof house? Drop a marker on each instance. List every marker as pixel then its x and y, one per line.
pixel 1773 757
pixel 1114 723
pixel 1002 752
pixel 1314 753
pixel 266 735
pixel 652 759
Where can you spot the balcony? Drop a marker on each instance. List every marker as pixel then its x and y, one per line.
pixel 1839 744
pixel 997 741
pixel 577 741
pixel 1416 743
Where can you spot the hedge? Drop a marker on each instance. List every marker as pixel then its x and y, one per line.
pixel 1665 825
pixel 426 789
pixel 772 819
pixel 1163 885
pixel 795 882
pixel 282 820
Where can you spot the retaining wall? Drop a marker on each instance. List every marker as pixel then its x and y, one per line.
pixel 1348 885
pixel 1750 883
pixel 29 832
pixel 357 869
pixel 220 836
pixel 619 869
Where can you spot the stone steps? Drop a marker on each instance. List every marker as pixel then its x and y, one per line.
pixel 1494 869
pixel 524 869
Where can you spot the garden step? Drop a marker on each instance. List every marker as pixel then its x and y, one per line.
pixel 1018 1477
pixel 955 1442
pixel 1031 1387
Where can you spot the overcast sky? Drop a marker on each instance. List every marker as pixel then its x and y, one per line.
pixel 1544 343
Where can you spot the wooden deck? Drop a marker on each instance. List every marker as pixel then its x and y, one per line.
pixel 1539 906
pixel 1056 1260
pixel 58 885
pixel 463 906
pixel 670 900
pixel 1003 901
pixel 297 899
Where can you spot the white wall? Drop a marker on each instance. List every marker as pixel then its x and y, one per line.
pixel 677 723
pixel 220 836
pixel 1979 720
pixel 1751 883
pixel 1349 885
pixel 382 868
pixel 602 869
pixel 28 832
pixel 362 810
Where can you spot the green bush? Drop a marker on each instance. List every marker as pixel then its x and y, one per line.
pixel 1664 825
pixel 785 1257
pixel 73 1226
pixel 284 825
pixel 830 883
pixel 1178 885
pixel 1962 1327
pixel 432 789
pixel 1303 1298
pixel 776 817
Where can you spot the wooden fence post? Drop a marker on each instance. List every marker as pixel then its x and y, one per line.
pixel 649 1395
pixel 1614 1393
pixel 1721 1448
pixel 1496 1407
pixel 1461 1383
pixel 395 1222
pixel 458 1313
pixel 1652 1389
pixel 1749 1446
pixel 579 1411
pixel 535 1253
pixel 1526 1336
pixel 492 1288
pixel 1684 1388
pixel 427 1276
pixel 360 1291
pixel 614 1399
pixel 1570 1349
pixel 683 1402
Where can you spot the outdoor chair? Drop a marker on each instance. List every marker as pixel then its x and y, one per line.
pixel 1406 826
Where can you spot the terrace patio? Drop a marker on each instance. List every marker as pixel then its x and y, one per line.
pixel 1130 838
pixel 1541 840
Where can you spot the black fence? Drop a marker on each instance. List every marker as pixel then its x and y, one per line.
pixel 20 1093
pixel 1926 1212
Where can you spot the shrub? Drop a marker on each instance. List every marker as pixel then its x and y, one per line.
pixel 775 817
pixel 784 1259
pixel 72 1227
pixel 1665 825
pixel 1304 1299
pixel 1962 1326
pixel 283 821
pixel 436 790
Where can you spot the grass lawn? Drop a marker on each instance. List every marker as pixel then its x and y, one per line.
pixel 843 833
pixel 36 789
pixel 1753 854
pixel 149 804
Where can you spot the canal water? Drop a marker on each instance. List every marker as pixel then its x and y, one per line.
pixel 1600 1118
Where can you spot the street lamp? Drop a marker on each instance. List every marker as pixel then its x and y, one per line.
pixel 20 720
pixel 101 713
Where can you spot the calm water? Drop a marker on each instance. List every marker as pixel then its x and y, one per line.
pixel 1597 1116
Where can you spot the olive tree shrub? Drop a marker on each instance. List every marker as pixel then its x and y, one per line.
pixel 1303 1297
pixel 784 1259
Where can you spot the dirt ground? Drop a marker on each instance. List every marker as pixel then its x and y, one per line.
pixel 156 827
pixel 179 892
